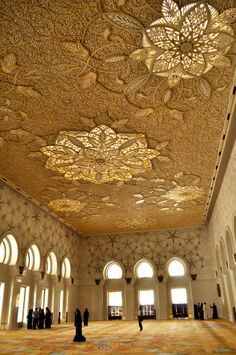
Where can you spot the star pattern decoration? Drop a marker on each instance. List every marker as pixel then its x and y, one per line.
pixel 112 240
pixel 173 236
pixel 25 216
pixel 11 227
pixel 127 244
pixel 36 216
pixel 188 239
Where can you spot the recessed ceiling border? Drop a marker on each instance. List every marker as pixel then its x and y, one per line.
pixel 226 145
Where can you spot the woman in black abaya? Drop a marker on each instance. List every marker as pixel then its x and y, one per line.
pixel 78 325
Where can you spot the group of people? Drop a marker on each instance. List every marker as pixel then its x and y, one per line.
pixel 78 324
pixel 38 319
pixel 200 311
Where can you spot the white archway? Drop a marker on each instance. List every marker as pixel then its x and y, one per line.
pixel 8 250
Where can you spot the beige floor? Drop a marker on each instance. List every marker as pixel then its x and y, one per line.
pixel 123 337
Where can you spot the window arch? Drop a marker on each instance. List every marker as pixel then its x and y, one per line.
pixel 113 271
pixel 176 267
pixel 32 260
pixel 51 264
pixel 229 248
pixel 66 268
pixel 144 269
pixel 8 250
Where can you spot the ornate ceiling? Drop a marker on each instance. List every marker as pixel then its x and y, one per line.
pixel 112 111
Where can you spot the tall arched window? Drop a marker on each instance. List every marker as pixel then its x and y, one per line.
pixel 113 271
pixel 51 264
pixel 176 267
pixel 144 269
pixel 65 268
pixel 32 260
pixel 8 250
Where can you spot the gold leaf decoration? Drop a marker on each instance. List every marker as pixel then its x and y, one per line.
pixel 173 80
pixel 24 115
pixel 176 115
pixel 204 87
pixel 74 47
pixel 87 122
pixel 178 175
pixel 123 20
pixel 2 142
pixel 119 123
pixel 88 80
pixel 171 12
pixel 114 59
pixel 28 91
pixel 66 205
pixel 143 112
pixel 219 61
pixel 101 156
pixel 164 158
pixel 167 96
pixel 162 145
pixel 137 83
pixel 9 63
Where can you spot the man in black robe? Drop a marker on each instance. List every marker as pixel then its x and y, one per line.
pixel 48 318
pixel 78 325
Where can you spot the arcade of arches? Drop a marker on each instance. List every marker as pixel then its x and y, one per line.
pixel 44 263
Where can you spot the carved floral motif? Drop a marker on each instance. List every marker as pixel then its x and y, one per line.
pixel 186 42
pixel 99 156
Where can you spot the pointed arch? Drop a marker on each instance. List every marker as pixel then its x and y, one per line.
pixel 9 250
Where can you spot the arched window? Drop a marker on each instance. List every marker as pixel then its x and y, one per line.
pixel 51 264
pixel 66 269
pixel 144 269
pixel 32 260
pixel 8 250
pixel 113 271
pixel 176 267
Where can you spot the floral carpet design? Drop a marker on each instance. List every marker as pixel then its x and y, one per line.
pixel 173 337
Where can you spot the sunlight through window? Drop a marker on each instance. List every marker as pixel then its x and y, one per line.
pixel 114 271
pixel 144 269
pixel 179 295
pixel 176 268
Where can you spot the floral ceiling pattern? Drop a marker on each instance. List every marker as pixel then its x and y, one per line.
pixel 99 156
pixel 112 111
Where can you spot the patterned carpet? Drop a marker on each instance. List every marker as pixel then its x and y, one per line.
pixel 173 337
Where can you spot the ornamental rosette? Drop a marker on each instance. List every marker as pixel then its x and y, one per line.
pixel 99 156
pixel 187 42
pixel 184 193
pixel 66 205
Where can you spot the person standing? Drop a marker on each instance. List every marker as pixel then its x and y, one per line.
pixel 48 318
pixel 86 317
pixel 35 318
pixel 78 326
pixel 140 318
pixel 205 315
pixel 41 318
pixel 214 311
pixel 30 319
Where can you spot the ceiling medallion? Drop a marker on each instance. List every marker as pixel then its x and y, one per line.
pixel 66 205
pixel 99 156
pixel 187 42
pixel 184 193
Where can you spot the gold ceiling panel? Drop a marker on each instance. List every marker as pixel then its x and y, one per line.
pixel 111 112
